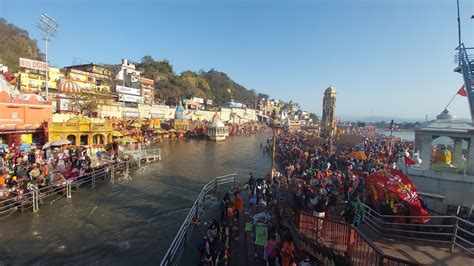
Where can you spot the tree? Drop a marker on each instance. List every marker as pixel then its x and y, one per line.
pixel 314 117
pixel 85 103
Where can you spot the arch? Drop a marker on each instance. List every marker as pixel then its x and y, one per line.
pixel 84 140
pixel 98 139
pixel 72 139
pixel 56 137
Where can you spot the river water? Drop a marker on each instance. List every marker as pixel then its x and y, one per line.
pixel 129 222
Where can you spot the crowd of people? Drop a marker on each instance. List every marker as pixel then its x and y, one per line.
pixel 324 177
pixel 23 171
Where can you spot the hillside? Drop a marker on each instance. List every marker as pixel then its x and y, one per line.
pixel 210 84
pixel 15 43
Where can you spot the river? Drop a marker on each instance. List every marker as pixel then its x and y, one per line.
pixel 129 222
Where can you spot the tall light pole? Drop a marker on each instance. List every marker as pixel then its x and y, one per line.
pixel 255 106
pixel 49 28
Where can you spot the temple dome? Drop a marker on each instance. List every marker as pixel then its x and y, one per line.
pixel 179 114
pixel 216 121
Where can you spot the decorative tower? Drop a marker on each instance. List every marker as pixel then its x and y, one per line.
pixel 329 108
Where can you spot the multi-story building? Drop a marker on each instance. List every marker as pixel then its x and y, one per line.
pixel 34 81
pixel 91 77
pixel 148 90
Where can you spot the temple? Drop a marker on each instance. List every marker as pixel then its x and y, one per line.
pixel 217 131
pixel 180 122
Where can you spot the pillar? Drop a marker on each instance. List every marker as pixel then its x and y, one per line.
pixel 470 162
pixel 457 151
pixel 425 152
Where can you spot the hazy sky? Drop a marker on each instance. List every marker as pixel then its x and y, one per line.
pixel 385 58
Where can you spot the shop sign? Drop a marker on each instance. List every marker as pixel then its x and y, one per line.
pixel 131 114
pixel 130 98
pixel 33 64
pixel 128 90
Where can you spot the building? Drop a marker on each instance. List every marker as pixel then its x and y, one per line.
pixel 34 81
pixel 128 75
pixel 180 121
pixel 329 109
pixel 91 77
pixel 22 116
pixel 81 131
pixel 445 173
pixel 217 131
pixel 148 90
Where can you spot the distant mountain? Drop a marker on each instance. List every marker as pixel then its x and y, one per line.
pixel 15 43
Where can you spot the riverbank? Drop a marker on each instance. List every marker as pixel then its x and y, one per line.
pixel 131 221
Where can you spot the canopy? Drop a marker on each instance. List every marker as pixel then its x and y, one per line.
pixel 117 134
pixel 159 131
pixel 172 130
pixel 60 142
pixel 349 140
pixel 69 86
pixel 358 155
pixel 128 139
pixel 137 125
pixel 399 185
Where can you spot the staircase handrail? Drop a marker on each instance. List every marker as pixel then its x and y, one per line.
pixel 176 248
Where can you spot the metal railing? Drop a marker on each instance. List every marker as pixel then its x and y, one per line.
pixel 445 229
pixel 344 239
pixel 135 154
pixel 35 197
pixel 175 251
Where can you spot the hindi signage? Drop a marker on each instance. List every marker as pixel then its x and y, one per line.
pixel 130 98
pixel 128 90
pixel 33 64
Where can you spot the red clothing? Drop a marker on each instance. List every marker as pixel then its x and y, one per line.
pixel 287 251
pixel 238 203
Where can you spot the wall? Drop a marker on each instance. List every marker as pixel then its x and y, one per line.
pixel 21 114
pixel 458 189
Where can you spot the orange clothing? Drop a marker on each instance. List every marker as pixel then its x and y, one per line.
pixel 2 181
pixel 238 203
pixel 287 251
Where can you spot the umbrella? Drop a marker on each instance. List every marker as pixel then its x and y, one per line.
pixel 172 130
pixel 159 131
pixel 358 155
pixel 116 134
pixel 136 125
pixel 128 139
pixel 60 142
pixel 47 145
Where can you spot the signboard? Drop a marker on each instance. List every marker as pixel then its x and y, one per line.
pixel 33 64
pixel 128 90
pixel 131 114
pixel 130 98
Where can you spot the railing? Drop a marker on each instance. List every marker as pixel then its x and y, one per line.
pixel 142 153
pixel 445 229
pixel 32 199
pixel 344 239
pixel 175 251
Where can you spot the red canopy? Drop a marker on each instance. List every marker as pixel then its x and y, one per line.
pixel 401 186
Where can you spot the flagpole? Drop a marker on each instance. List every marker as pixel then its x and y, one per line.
pixel 451 100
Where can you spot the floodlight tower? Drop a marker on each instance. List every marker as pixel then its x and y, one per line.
pixel 49 28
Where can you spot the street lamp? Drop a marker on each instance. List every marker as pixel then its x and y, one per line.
pixel 49 28
pixel 276 126
pixel 255 105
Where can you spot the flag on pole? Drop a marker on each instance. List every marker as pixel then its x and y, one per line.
pixel 462 91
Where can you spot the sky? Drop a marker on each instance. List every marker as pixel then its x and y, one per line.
pixel 385 58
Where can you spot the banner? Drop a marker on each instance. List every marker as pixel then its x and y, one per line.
pixel 33 64
pixel 261 235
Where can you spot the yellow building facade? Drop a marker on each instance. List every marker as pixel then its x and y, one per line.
pixel 32 80
pixel 81 131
